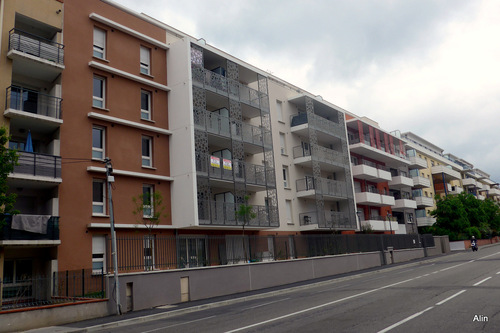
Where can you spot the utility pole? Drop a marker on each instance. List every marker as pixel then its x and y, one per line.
pixel 111 179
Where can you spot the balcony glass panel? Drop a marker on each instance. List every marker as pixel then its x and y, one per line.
pixel 31 101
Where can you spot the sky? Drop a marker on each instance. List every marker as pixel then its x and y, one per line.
pixel 429 67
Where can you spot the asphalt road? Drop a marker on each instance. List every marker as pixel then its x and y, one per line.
pixel 457 293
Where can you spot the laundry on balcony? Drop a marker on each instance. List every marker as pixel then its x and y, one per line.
pixel 31 223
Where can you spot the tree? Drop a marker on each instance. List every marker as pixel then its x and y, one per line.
pixel 8 159
pixel 149 210
pixel 245 213
pixel 451 217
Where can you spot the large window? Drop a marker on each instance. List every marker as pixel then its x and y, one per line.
pixel 17 279
pixel 98 92
pixel 99 43
pixel 98 151
pixel 147 151
pixel 145 60
pixel 98 254
pixel 145 105
pixel 98 197
pixel 282 144
pixel 147 200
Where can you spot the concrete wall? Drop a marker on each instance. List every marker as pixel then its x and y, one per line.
pixel 57 315
pixel 207 282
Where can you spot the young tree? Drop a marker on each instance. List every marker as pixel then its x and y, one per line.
pixel 245 213
pixel 8 159
pixel 149 210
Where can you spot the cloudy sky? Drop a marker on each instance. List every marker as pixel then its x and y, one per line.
pixel 429 67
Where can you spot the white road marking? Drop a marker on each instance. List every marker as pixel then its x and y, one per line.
pixel 319 306
pixel 478 283
pixel 179 324
pixel 452 296
pixel 498 273
pixel 258 306
pixel 405 320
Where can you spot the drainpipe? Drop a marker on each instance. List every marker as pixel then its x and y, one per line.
pixel 444 185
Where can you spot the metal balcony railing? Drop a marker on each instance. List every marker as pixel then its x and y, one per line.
pixel 319 123
pixel 228 87
pixel 7 233
pixel 234 170
pixel 31 101
pixel 231 128
pixel 323 186
pixel 335 220
pixel 35 45
pixel 225 213
pixel 38 165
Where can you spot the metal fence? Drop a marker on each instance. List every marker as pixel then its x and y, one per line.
pixel 136 253
pixel 58 288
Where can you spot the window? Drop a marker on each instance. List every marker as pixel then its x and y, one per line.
pixel 98 199
pixel 99 43
pixel 98 143
pixel 285 177
pixel 147 151
pixel 149 258
pixel 98 98
pixel 279 110
pixel 282 144
pixel 145 60
pixel 98 254
pixel 145 105
pixel 147 197
pixel 17 279
pixel 288 204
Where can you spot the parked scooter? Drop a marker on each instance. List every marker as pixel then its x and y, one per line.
pixel 473 244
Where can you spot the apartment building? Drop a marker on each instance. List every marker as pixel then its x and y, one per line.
pixel 32 61
pixel 312 166
pixel 222 147
pixel 436 173
pixel 115 96
pixel 382 182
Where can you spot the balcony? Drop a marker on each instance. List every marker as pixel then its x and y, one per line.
pixel 403 204
pixel 370 172
pixel 219 84
pixel 254 137
pixel 309 187
pixel 329 160
pixel 425 221
pixel 224 214
pixel 37 167
pixel 32 109
pixel 326 129
pixel 448 173
pixel 332 220
pixel 480 197
pixel 494 192
pixel 456 190
pixel 378 223
pixel 421 182
pixel 364 148
pixel 256 177
pixel 34 56
pixel 424 201
pixel 24 227
pixel 374 199
pixel 417 162
pixel 400 182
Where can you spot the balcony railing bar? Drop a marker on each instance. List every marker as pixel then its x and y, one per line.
pixel 35 45
pixel 38 164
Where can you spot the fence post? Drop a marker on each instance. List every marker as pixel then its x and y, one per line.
pixel 382 252
pixel 67 283
pixel 83 282
pixel 424 245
